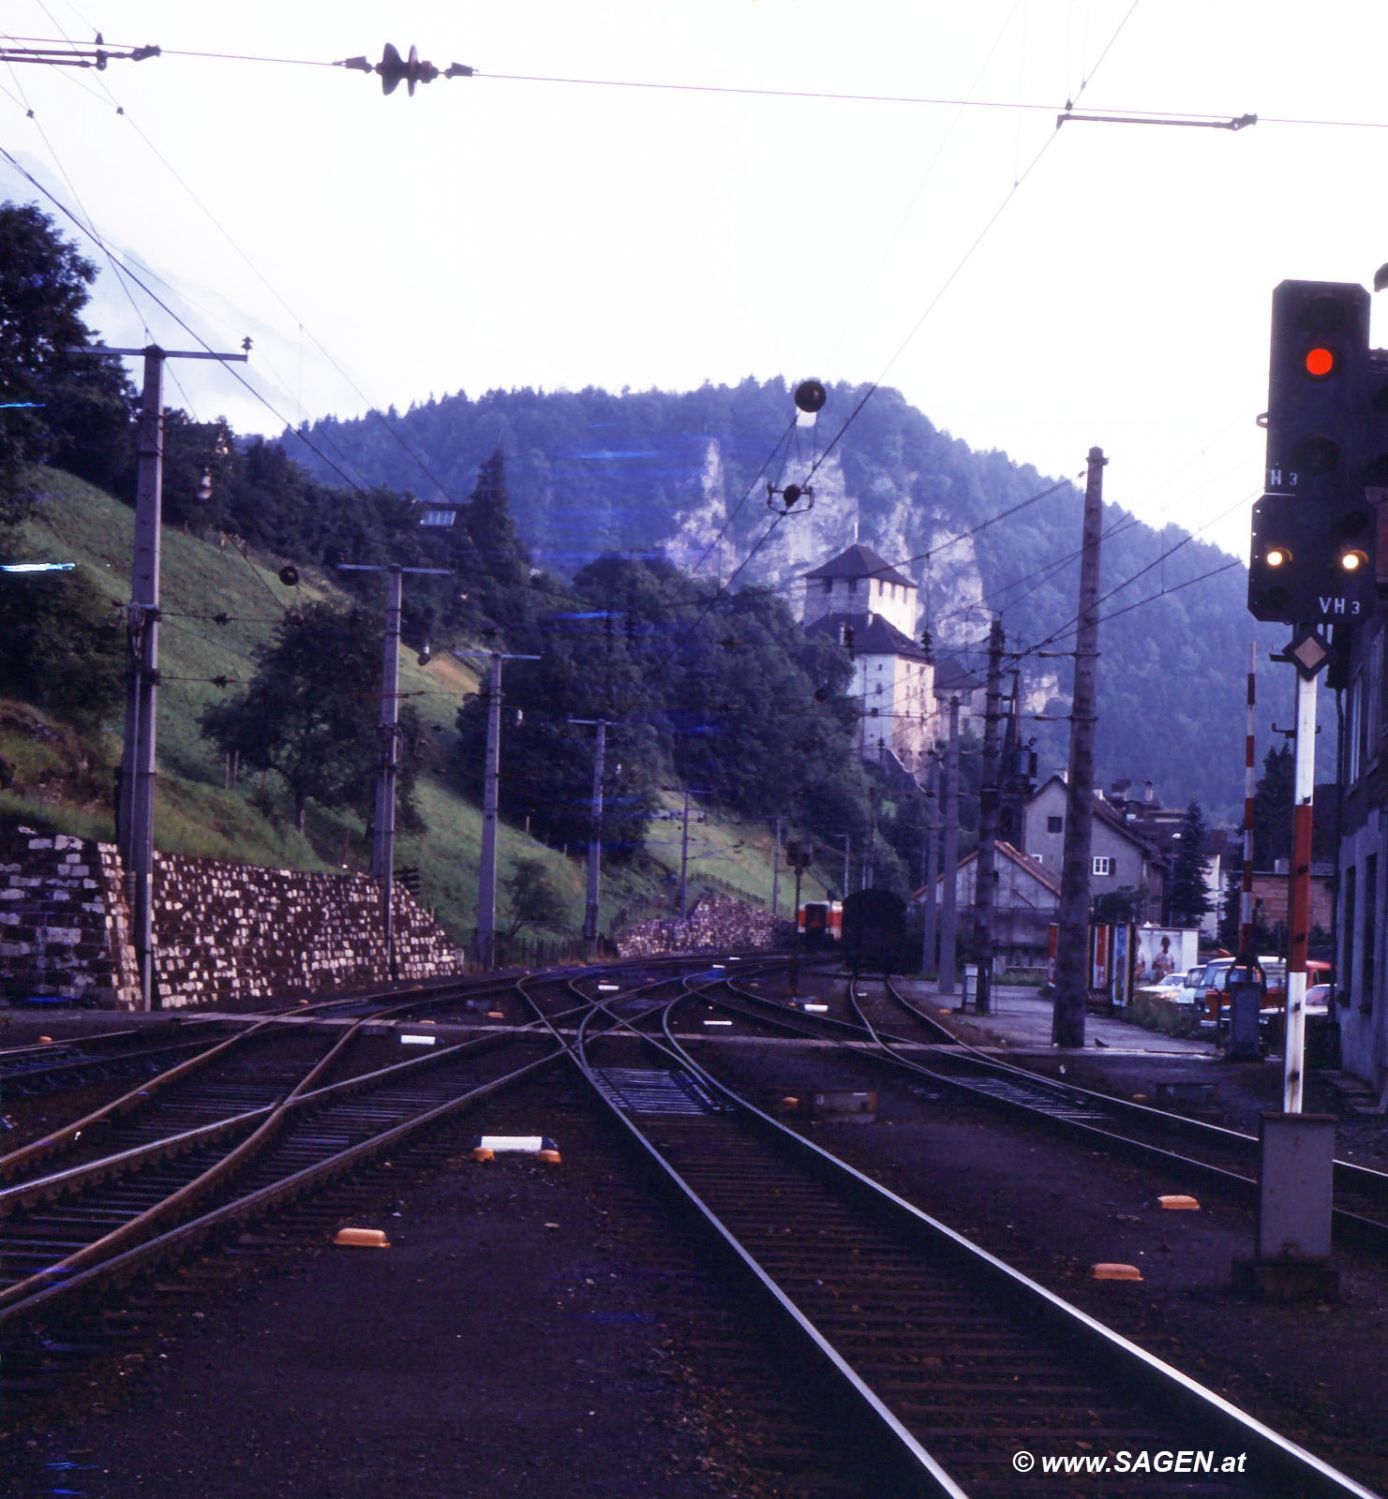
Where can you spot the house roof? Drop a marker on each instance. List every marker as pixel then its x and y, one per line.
pixel 872 635
pixel 860 562
pixel 1110 819
pixel 1006 850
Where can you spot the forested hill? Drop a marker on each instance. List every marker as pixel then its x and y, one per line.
pixel 686 474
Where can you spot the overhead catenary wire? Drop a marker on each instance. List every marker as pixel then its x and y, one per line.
pixel 1157 561
pixel 258 395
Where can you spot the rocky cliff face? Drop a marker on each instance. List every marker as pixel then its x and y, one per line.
pixel 886 518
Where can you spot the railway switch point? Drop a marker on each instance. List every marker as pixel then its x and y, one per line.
pixel 1106 1270
pixel 1178 1202
pixel 362 1238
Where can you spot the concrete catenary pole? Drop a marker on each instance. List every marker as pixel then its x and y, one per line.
pixel 491 796
pixel 135 819
pixel 135 800
pixel 930 925
pixel 383 829
pixel 491 787
pixel 985 869
pixel 388 728
pixel 949 917
pixel 684 860
pixel 1072 953
pixel 592 902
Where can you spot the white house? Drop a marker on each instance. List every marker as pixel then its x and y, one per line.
pixel 863 602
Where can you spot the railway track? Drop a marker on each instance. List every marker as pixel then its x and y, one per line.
pixel 276 1135
pixel 962 1370
pixel 912 1040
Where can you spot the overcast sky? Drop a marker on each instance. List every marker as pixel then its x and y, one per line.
pixel 1034 289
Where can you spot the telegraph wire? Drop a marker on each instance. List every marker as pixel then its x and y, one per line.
pixel 1190 536
pixel 120 110
pixel 182 323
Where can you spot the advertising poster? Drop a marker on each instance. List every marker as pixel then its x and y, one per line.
pixel 1099 958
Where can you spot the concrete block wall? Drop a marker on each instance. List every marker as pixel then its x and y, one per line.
pixel 224 932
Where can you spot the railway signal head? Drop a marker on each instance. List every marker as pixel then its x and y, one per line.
pixel 1313 557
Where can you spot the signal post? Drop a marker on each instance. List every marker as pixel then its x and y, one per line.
pixel 1312 566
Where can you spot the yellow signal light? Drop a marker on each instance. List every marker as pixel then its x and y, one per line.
pixel 1278 556
pixel 1354 561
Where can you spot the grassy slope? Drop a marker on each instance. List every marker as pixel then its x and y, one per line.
pixel 196 814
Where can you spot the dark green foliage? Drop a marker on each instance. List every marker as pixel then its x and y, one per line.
pixel 532 898
pixel 1187 898
pixel 1119 907
pixel 60 407
pixel 63 645
pixel 592 472
pixel 1272 808
pixel 310 712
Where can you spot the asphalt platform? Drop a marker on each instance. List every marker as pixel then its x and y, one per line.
pixel 1019 1021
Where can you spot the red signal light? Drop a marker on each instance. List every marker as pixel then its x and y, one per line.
pixel 1319 362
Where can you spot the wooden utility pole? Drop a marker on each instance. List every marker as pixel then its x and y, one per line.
pixel 776 873
pixel 985 869
pixel 949 922
pixel 1072 953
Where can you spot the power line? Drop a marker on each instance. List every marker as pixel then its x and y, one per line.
pixel 92 234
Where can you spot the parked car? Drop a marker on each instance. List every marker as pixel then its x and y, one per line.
pixel 1172 987
pixel 1318 998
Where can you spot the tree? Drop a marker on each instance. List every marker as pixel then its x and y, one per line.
pixel 310 712
pixel 1188 897
pixel 533 899
pixel 72 409
pixel 1119 907
pixel 1272 808
pixel 64 645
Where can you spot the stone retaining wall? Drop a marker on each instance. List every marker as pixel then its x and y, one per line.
pixel 63 926
pixel 718 922
pixel 224 932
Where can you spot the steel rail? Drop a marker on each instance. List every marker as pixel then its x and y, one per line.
pixel 1292 1468
pixel 188 1236
pixel 1070 1108
pixel 110 1257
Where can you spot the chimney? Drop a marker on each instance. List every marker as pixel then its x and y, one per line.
pixel 1148 795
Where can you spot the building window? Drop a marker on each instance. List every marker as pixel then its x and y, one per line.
pixel 1102 864
pixel 828 585
pixel 1055 824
